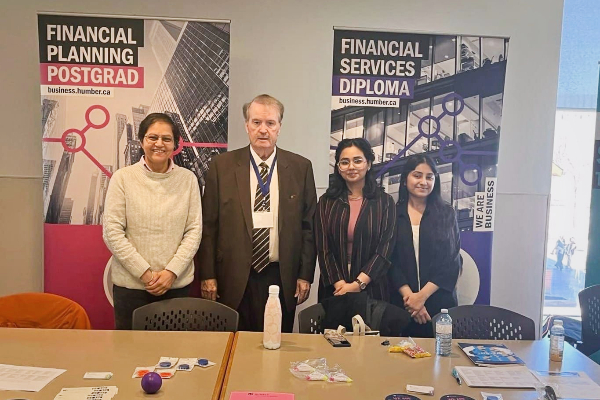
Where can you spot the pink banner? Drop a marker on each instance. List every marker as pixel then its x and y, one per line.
pixel 91 75
pixel 75 259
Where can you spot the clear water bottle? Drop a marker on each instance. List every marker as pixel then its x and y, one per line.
pixel 443 334
pixel 272 327
pixel 557 340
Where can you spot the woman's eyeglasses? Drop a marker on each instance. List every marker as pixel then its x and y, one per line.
pixel 358 162
pixel 154 139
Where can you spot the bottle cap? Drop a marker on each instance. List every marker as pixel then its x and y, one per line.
pixel 273 289
pixel 558 322
pixel 444 311
pixel 202 361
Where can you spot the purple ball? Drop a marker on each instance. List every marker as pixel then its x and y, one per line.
pixel 151 382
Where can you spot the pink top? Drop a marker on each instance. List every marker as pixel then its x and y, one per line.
pixel 169 169
pixel 354 211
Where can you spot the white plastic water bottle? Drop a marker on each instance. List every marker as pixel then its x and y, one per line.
pixel 272 328
pixel 557 340
pixel 443 334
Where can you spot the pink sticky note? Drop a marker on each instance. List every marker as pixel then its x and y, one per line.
pixel 260 395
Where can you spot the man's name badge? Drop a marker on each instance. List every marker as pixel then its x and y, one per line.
pixel 262 220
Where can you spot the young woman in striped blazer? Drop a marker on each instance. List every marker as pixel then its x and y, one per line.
pixel 355 225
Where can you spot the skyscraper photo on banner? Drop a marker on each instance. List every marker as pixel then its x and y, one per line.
pixel 439 95
pixel 100 77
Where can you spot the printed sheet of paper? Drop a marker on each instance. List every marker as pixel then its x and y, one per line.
pixel 572 385
pixel 500 377
pixel 87 393
pixel 260 395
pixel 29 379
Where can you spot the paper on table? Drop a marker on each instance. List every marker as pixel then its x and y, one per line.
pixel 190 362
pixel 172 361
pixel 85 393
pixel 572 385
pixel 29 379
pixel 98 375
pixel 260 395
pixel 500 377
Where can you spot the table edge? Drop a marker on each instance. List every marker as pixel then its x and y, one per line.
pixel 229 367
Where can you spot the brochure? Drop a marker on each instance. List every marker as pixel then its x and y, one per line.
pixel 490 354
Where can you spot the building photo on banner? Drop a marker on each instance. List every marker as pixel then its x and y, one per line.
pixel 100 77
pixel 440 95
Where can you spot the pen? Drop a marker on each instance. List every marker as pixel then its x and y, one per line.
pixel 456 376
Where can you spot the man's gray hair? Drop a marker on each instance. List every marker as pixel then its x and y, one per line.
pixel 265 100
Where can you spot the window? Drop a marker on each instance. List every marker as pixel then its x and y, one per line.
pixel 426 66
pixel 391 184
pixel 467 122
pixel 395 138
pixel 375 128
pixel 492 114
pixel 337 131
pixel 446 123
pixel 444 57
pixel 492 50
pixel 445 171
pixel 354 125
pixel 470 49
pixel 417 111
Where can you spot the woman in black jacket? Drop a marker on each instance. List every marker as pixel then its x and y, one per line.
pixel 426 261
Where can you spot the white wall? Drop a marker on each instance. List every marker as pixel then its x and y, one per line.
pixel 285 48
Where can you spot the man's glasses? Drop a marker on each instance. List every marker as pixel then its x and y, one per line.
pixel 358 162
pixel 154 139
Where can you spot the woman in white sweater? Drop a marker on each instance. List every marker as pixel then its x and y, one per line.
pixel 152 223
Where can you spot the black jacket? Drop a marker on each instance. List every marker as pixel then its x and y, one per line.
pixel 439 256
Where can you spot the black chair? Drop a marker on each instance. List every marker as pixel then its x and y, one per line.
pixel 490 323
pixel 185 314
pixel 589 301
pixel 311 318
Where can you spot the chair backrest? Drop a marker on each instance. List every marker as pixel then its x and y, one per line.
pixel 185 314
pixel 490 323
pixel 42 310
pixel 589 301
pixel 311 318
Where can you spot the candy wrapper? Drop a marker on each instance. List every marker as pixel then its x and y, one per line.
pixel 308 365
pixel 316 369
pixel 336 374
pixel 408 346
pixel 310 370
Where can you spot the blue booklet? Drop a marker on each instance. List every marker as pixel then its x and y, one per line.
pixel 490 354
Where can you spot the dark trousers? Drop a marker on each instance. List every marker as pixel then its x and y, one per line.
pixel 126 300
pixel 414 329
pixel 252 307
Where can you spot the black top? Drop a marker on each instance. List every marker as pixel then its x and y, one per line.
pixel 439 257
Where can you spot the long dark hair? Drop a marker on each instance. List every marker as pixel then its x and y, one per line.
pixel 435 197
pixel 337 185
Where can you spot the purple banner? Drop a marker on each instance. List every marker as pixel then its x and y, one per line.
pixel 479 246
pixel 375 86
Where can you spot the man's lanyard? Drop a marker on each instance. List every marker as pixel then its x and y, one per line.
pixel 264 188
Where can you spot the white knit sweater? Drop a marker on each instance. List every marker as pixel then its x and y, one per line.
pixel 152 220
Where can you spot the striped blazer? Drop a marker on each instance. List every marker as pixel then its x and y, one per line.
pixel 372 247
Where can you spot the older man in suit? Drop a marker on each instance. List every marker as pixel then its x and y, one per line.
pixel 258 208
